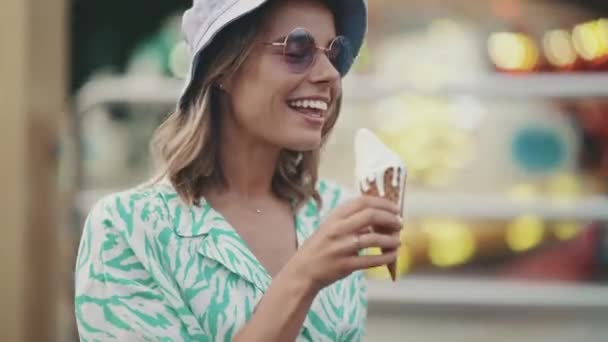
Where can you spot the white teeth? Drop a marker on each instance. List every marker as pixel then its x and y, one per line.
pixel 320 105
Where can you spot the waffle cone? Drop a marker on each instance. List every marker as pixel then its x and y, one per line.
pixel 392 193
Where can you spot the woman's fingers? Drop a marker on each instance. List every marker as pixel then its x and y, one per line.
pixel 385 221
pixel 353 244
pixel 366 202
pixel 363 223
pixel 363 262
pixel 379 240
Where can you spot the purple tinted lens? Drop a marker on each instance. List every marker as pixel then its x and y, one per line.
pixel 340 54
pixel 299 50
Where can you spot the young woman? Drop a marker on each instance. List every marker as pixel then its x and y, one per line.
pixel 238 239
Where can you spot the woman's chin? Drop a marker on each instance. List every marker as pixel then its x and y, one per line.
pixel 303 143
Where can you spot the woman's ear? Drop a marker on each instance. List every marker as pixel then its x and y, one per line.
pixel 224 83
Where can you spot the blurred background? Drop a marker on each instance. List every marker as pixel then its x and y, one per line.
pixel 499 108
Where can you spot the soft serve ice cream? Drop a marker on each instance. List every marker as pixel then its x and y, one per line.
pixel 379 172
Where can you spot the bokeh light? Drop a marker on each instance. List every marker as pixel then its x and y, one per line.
pixel 559 50
pixel 564 187
pixel 525 233
pixel 590 39
pixel 512 51
pixel 404 261
pixel 567 230
pixel 451 242
pixel 429 135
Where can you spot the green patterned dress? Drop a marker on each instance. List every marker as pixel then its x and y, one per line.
pixel 151 268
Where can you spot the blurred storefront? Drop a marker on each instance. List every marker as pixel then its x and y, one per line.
pixel 500 110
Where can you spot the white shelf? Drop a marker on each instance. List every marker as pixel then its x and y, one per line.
pixel 155 90
pixel 131 89
pixel 450 291
pixel 574 85
pixel 502 207
pixel 420 204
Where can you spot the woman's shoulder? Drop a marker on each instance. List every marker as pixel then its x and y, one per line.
pixel 133 205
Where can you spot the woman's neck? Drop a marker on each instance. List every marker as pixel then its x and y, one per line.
pixel 248 165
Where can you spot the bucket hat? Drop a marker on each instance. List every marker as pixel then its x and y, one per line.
pixel 206 18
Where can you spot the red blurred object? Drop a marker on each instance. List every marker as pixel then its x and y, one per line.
pixel 572 261
pixel 600 64
pixel 594 117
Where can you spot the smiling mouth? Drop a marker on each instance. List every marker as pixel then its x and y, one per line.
pixel 312 109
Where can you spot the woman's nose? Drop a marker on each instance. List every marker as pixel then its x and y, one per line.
pixel 323 70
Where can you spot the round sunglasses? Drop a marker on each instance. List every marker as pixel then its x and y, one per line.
pixel 300 51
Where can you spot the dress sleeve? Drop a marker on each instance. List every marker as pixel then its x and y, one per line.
pixel 116 298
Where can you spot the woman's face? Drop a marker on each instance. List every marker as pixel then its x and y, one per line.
pixel 264 92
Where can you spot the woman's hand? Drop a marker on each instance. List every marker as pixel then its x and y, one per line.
pixel 332 252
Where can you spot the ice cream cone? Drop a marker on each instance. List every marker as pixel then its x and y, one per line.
pixel 380 172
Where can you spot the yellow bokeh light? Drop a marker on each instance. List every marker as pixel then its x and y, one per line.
pixel 602 30
pixel 404 261
pixel 513 51
pixel 558 48
pixel 424 133
pixel 506 50
pixel 532 53
pixel 525 233
pixel 567 230
pixel 590 39
pixel 451 243
pixel 564 187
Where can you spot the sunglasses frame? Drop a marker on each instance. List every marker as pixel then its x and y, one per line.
pixel 325 50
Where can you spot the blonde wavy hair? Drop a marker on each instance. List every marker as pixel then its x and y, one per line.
pixel 185 147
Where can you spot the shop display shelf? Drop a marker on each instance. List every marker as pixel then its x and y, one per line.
pixel 467 292
pixel 463 206
pixel 524 86
pixel 157 90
